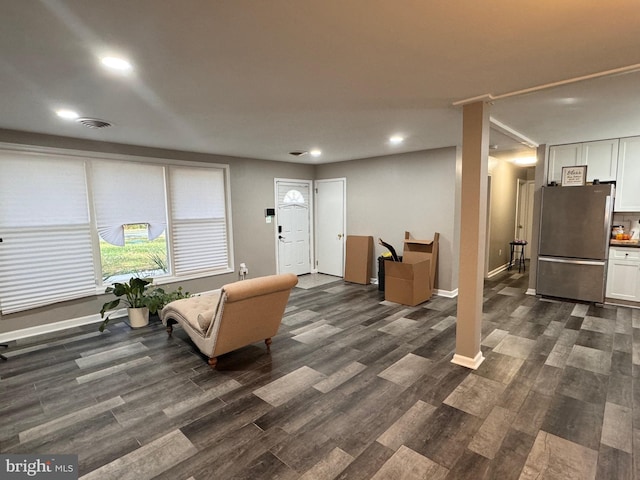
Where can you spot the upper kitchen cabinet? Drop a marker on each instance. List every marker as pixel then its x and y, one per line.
pixel 601 159
pixel 627 185
pixel 563 156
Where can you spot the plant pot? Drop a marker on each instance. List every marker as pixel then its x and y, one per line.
pixel 138 317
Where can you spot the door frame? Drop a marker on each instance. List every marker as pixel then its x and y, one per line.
pixel 343 180
pixel 311 211
pixel 487 243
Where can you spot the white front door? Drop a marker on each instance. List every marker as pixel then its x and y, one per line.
pixel 331 225
pixel 292 228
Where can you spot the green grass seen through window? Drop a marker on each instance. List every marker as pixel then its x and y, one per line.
pixel 139 256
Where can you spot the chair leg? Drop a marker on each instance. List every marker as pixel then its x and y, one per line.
pixel 212 362
pixel 267 342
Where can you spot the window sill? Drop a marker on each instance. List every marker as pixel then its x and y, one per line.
pixel 164 280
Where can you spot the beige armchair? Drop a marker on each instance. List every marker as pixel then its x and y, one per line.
pixel 237 315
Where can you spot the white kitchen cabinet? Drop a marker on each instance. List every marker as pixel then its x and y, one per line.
pixel 623 274
pixel 628 182
pixel 563 156
pixel 600 157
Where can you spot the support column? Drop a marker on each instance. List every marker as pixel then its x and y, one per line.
pixel 473 215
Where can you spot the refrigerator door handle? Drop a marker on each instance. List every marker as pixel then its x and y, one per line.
pixel 607 219
pixel 575 261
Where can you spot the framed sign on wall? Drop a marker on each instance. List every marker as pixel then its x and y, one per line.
pixel 574 176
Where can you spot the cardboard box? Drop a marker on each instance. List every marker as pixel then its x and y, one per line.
pixel 412 281
pixel 407 283
pixel 359 258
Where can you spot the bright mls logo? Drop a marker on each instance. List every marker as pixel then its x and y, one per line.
pixel 50 467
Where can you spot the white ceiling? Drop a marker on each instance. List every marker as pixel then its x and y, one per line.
pixel 259 79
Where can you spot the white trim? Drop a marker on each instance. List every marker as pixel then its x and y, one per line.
pixel 510 132
pixel 446 293
pixel 57 326
pixel 468 362
pixel 498 270
pixel 74 322
pixel 530 291
pixel 488 97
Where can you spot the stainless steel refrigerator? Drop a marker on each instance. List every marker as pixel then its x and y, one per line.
pixel 575 228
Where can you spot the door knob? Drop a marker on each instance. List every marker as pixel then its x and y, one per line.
pixel 339 236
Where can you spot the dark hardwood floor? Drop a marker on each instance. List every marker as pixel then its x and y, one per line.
pixel 355 388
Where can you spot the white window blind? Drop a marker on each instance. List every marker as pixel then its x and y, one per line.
pixel 46 253
pixel 199 225
pixel 127 193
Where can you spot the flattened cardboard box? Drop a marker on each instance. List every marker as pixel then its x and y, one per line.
pixel 359 257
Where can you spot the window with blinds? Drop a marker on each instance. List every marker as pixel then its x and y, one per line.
pixel 131 217
pixel 55 211
pixel 199 228
pixel 46 254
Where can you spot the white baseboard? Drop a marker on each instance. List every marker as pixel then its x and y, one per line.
pixel 74 322
pixel 57 326
pixel 468 362
pixel 446 293
pixel 498 270
pixel 530 291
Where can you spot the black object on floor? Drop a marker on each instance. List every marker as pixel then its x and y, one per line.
pixel 5 346
pixel 391 249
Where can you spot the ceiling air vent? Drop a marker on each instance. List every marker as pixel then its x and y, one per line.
pixel 298 153
pixel 93 122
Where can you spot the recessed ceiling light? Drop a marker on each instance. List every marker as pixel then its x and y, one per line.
pixel 117 64
pixel 315 153
pixel 568 101
pixel 67 114
pixel 396 140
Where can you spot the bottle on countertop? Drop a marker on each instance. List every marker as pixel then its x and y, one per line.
pixel 635 231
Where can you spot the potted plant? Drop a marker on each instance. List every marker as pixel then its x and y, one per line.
pixel 133 293
pixel 158 298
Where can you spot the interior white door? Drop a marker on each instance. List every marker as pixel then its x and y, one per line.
pixel 331 226
pixel 524 216
pixel 292 230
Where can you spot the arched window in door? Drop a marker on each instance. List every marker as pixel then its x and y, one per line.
pixel 293 197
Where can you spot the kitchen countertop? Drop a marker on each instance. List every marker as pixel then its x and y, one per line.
pixel 624 243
